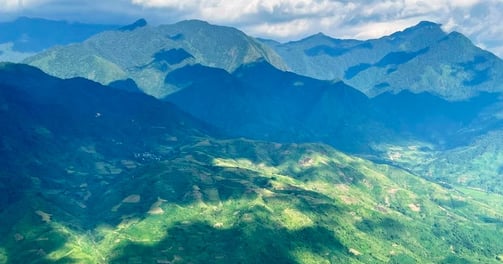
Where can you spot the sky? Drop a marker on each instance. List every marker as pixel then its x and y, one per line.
pixel 285 20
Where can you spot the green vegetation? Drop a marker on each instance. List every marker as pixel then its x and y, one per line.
pixel 91 174
pixel 475 165
pixel 124 54
pixel 422 58
pixel 241 201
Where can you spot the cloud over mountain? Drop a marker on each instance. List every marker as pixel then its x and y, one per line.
pixel 290 19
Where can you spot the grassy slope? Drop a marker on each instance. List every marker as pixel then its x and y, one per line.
pixel 478 164
pixel 93 175
pixel 239 201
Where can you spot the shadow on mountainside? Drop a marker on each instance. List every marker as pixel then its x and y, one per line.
pixel 251 241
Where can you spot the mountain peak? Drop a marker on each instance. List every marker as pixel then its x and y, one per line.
pixel 137 24
pixel 423 26
pixel 428 24
pixel 193 22
pixel 459 38
pixel 422 35
pixel 317 36
pixel 320 34
pixel 211 45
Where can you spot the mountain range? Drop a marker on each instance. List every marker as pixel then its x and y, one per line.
pixel 92 174
pixel 26 36
pixel 294 108
pixel 147 53
pixel 422 58
pixel 284 106
pixel 195 143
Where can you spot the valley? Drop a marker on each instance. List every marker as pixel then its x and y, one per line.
pixel 196 143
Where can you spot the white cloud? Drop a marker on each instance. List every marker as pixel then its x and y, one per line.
pixel 288 19
pixel 97 11
pixel 17 5
pixel 281 30
pixel 377 29
pixel 9 4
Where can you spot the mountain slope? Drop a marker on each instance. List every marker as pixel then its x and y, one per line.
pixel 43 118
pixel 25 36
pixel 277 106
pixel 147 54
pixel 323 57
pixel 434 137
pixel 92 174
pixel 476 164
pixel 63 142
pixel 420 58
pixel 283 106
pixel 309 204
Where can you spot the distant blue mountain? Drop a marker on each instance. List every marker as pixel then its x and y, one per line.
pixel 91 174
pixel 420 89
pixel 42 117
pixel 93 107
pixel 146 54
pixel 261 102
pixel 422 58
pixel 137 24
pixel 265 103
pixel 31 35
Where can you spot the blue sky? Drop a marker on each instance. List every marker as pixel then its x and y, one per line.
pixel 285 19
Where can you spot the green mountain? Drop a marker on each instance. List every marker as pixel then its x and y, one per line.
pixel 430 90
pixel 419 132
pixel 278 106
pixel 422 58
pixel 146 54
pixel 437 139
pixel 92 174
pixel 25 36
pixel 286 107
pixel 174 62
pixel 476 164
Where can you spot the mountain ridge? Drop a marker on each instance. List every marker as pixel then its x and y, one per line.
pixel 419 58
pixel 270 107
pixel 296 108
pixel 82 183
pixel 140 54
pixel 238 160
pixel 26 36
pixel 437 68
